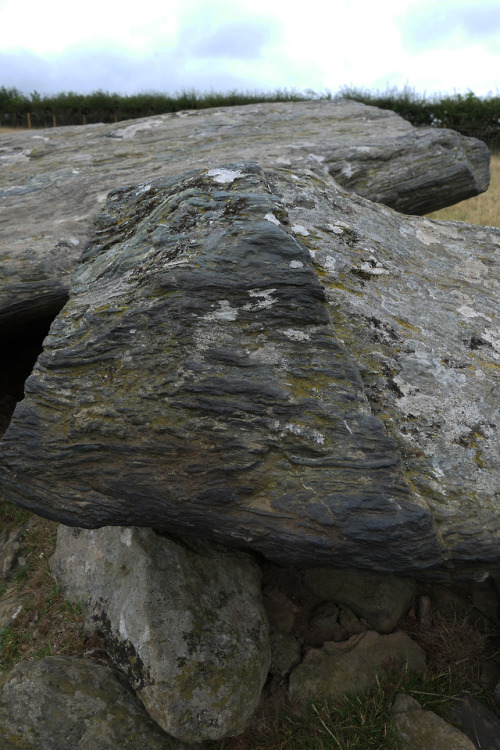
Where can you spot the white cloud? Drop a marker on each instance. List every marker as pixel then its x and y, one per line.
pixel 51 26
pixel 451 25
pixel 463 69
pixel 127 46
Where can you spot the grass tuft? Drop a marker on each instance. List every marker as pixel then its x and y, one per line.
pixel 455 645
pixel 468 114
pixel 357 722
pixel 47 624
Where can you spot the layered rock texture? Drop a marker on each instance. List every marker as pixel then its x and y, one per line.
pixel 258 357
pixel 54 182
pixel 253 355
pixel 280 364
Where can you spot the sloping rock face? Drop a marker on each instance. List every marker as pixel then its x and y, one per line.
pixel 54 182
pixel 475 720
pixel 185 621
pixel 258 357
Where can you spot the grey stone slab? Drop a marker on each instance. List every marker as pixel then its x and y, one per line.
pixel 380 600
pixel 261 358
pixel 184 620
pixel 425 730
pixel 70 703
pixel 353 666
pixel 54 182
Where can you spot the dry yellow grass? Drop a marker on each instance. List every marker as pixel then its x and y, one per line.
pixel 46 624
pixel 484 209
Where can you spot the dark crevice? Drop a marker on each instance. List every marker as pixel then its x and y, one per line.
pixel 18 358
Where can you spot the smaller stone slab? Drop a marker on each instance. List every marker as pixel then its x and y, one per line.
pixel 11 551
pixel 425 730
pixel 183 619
pixel 381 600
pixel 480 724
pixel 352 666
pixel 70 703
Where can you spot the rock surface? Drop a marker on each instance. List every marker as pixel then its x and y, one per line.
pixel 11 551
pixel 380 600
pixel 54 182
pixel 285 654
pixel 352 666
pixel 10 608
pixel 261 358
pixel 476 721
pixel 184 620
pixel 193 395
pixel 324 624
pixel 69 703
pixel 425 730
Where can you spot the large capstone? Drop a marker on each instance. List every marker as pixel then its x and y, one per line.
pixel 256 357
pixel 54 182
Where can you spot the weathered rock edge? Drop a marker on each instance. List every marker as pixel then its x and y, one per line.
pixel 198 381
pixel 54 182
pixel 207 389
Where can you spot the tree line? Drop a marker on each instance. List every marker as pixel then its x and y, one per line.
pixel 466 113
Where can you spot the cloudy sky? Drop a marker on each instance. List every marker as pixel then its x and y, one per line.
pixel 432 46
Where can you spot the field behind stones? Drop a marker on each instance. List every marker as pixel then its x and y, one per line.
pixel 483 209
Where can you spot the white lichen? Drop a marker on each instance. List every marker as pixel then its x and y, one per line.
pixel 296 335
pixel 224 176
pixel 272 218
pixel 319 159
pixel 468 312
pixel 335 229
pixel 225 312
pixel 126 537
pixel 376 270
pixel 348 170
pixel 330 264
pixel 264 299
pixel 307 432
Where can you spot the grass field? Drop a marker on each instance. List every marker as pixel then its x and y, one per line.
pixel 484 209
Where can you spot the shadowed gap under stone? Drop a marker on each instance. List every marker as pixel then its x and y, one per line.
pixel 19 354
